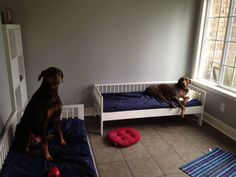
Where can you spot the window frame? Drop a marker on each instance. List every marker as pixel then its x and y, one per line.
pixel 201 32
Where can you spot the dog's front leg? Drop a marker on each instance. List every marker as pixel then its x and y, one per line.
pixel 182 106
pixel 44 141
pixel 61 138
pixel 182 111
pixel 59 133
pixel 47 155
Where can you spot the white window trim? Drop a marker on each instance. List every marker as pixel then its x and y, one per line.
pixel 199 37
pixel 213 88
pixel 197 55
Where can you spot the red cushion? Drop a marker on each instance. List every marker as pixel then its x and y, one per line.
pixel 123 137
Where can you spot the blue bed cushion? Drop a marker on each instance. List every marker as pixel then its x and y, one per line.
pixel 74 160
pixel 113 102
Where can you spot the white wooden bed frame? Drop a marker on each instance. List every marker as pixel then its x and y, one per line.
pixel 68 111
pixel 99 89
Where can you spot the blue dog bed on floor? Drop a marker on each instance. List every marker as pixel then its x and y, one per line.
pixel 73 160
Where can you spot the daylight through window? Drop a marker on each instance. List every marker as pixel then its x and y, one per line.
pixel 218 52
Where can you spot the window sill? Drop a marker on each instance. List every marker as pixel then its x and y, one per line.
pixel 215 89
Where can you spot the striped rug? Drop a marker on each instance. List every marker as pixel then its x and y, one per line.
pixel 217 163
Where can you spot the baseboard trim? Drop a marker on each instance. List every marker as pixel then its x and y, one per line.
pixel 219 125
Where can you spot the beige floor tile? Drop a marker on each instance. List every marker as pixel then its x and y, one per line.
pixel 182 145
pixel 145 167
pixel 149 134
pixel 182 174
pixel 166 144
pixel 169 133
pixel 117 124
pixel 158 148
pixel 230 148
pixel 143 122
pixel 205 148
pixel 108 154
pixel 99 141
pixel 114 169
pixel 135 151
pixel 189 156
pixel 169 164
pixel 204 139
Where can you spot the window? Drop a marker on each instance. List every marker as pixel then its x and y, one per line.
pixel 217 61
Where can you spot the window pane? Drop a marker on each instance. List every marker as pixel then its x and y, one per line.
pixel 209 49
pixel 205 70
pixel 224 8
pixel 215 72
pixel 212 28
pixel 232 35
pixel 218 52
pixel 227 76
pixel 231 54
pixel 215 8
pixel 222 29
pixel 210 71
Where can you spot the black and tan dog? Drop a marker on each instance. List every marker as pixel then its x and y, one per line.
pixel 171 92
pixel 43 109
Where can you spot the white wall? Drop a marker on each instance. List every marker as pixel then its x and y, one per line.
pixel 105 41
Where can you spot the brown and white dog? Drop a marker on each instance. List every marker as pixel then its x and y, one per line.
pixel 43 109
pixel 171 92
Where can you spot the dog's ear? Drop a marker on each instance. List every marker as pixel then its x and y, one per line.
pixel 61 75
pixel 181 82
pixel 189 81
pixel 41 75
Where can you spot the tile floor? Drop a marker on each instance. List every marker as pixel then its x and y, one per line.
pixel 166 144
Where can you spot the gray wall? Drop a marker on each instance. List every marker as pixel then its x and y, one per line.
pixel 212 106
pixel 5 99
pixel 105 41
pixel 110 41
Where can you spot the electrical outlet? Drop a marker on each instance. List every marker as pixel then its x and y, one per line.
pixel 222 107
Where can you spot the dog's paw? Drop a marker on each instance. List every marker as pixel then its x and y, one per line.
pixel 48 157
pixel 63 142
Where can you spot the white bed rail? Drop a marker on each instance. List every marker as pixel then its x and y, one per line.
pixel 201 94
pixel 68 111
pixel 126 87
pixel 73 111
pixel 99 89
pixel 7 137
